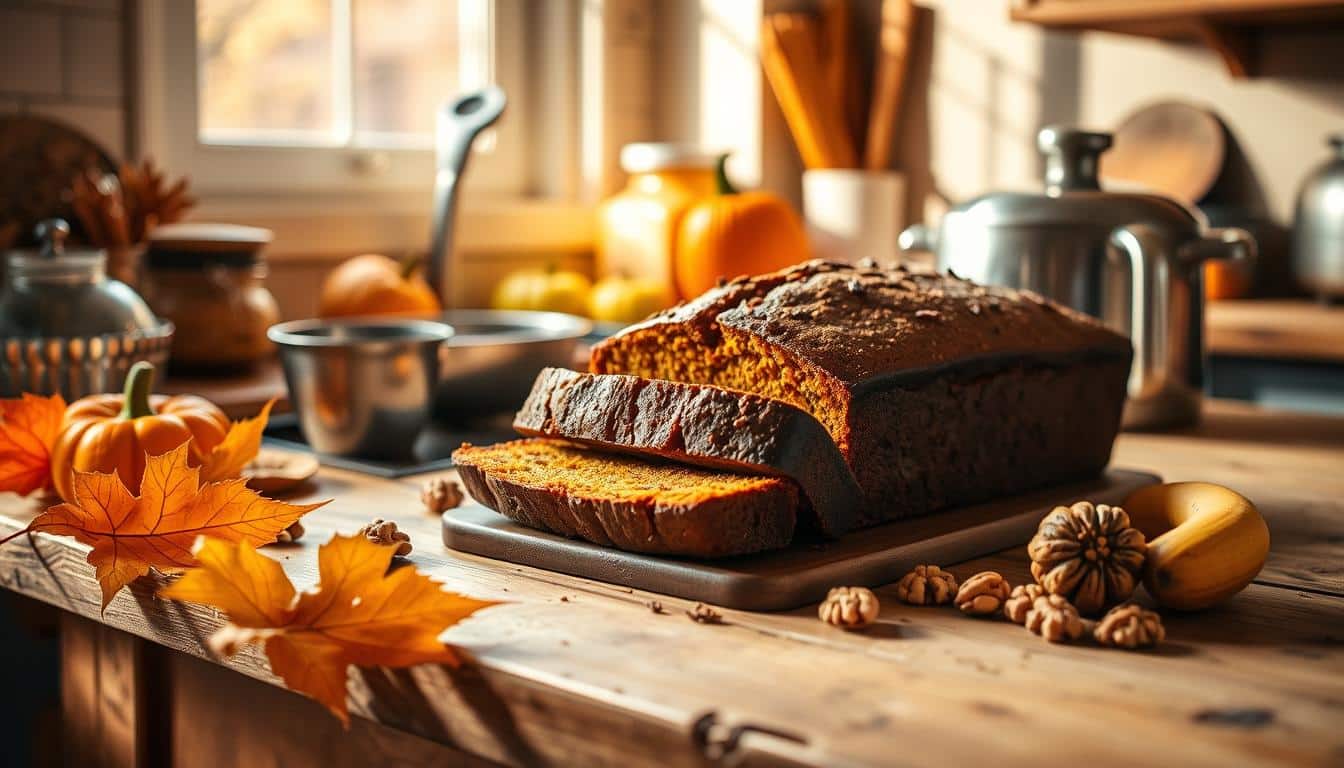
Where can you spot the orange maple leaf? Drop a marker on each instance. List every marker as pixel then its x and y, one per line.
pixel 28 428
pixel 240 446
pixel 130 534
pixel 357 614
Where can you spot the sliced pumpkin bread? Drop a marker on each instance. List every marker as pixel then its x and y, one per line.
pixel 937 391
pixel 696 424
pixel 630 503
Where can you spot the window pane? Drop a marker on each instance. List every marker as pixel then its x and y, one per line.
pixel 406 56
pixel 266 71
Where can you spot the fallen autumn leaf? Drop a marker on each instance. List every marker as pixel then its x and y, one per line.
pixel 358 613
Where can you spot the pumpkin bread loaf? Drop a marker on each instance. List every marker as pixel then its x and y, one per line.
pixel 630 503
pixel 937 391
pixel 696 424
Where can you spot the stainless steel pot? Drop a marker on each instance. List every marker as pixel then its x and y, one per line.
pixel 1133 260
pixel 361 386
pixel 1318 227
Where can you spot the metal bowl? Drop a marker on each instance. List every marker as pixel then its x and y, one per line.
pixel 489 364
pixel 361 386
pixel 75 366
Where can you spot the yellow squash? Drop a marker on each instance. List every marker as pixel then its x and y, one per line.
pixel 1205 542
pixel 627 300
pixel 549 290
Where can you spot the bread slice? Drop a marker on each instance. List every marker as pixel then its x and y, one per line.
pixel 630 503
pixel 937 391
pixel 696 424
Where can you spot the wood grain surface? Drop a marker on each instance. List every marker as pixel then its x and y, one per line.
pixel 1295 329
pixel 578 672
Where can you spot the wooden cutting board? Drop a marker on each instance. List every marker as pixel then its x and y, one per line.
pixel 801 574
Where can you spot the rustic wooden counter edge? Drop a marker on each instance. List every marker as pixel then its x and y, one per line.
pixel 577 672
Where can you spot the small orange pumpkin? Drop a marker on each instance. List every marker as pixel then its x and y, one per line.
pixel 114 432
pixel 373 284
pixel 736 233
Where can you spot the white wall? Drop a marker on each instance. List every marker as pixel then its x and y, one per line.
pixel 990 83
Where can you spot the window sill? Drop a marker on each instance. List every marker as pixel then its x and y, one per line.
pixel 316 229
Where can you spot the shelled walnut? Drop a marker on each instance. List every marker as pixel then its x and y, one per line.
pixel 1019 602
pixel 1129 626
pixel 1088 554
pixel 1055 619
pixel 982 594
pixel 385 532
pixel 927 585
pixel 849 607
pixel 440 494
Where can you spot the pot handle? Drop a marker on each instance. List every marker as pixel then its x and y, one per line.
pixel 1145 247
pixel 917 237
pixel 1224 244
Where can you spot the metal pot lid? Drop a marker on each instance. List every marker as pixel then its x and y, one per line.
pixel 1073 197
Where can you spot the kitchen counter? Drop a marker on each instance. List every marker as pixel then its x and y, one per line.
pixel 579 672
pixel 1284 329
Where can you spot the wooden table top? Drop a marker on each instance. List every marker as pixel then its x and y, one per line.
pixel 1292 329
pixel 578 672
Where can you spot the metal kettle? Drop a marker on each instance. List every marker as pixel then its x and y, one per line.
pixel 1132 260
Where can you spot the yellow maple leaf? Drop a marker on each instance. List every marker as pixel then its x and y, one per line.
pixel 28 428
pixel 357 614
pixel 240 446
pixel 130 534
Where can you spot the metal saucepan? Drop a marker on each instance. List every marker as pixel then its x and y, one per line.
pixel 489 364
pixel 361 386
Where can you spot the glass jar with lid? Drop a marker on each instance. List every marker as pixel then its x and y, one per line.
pixel 637 227
pixel 209 279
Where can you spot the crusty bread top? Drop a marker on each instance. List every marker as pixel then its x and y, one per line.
pixel 863 322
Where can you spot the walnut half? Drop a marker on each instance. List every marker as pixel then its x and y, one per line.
pixel 440 495
pixel 385 532
pixel 1020 601
pixel 927 585
pixel 849 607
pixel 1129 626
pixel 1055 619
pixel 983 594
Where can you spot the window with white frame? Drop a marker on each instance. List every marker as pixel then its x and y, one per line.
pixel 328 97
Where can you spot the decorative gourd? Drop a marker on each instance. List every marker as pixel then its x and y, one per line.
pixel 622 300
pixel 1205 542
pixel 736 233
pixel 114 432
pixel 544 290
pixel 373 284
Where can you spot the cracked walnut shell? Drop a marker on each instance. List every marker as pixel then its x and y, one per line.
pixel 982 594
pixel 385 532
pixel 927 585
pixel 1088 554
pixel 849 607
pixel 1129 626
pixel 1019 602
pixel 1055 619
pixel 440 494
pixel 291 534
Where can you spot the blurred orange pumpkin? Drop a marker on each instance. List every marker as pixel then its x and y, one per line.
pixel 114 432
pixel 373 284
pixel 736 233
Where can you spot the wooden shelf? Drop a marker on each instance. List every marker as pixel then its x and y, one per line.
pixel 1282 329
pixel 1228 27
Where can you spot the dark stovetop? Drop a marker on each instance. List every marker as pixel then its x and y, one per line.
pixel 431 452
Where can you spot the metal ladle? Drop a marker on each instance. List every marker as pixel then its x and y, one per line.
pixel 457 125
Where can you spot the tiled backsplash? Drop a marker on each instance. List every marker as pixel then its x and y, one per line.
pixel 64 59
